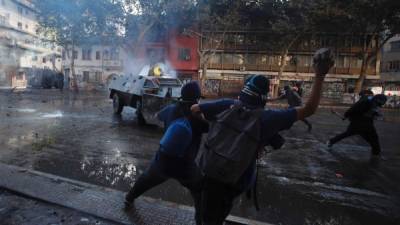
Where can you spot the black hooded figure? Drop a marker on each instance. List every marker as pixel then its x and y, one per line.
pixel 361 116
pixel 293 97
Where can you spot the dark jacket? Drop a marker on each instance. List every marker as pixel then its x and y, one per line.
pixel 362 112
pixel 293 98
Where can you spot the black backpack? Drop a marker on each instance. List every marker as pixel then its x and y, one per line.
pixel 232 144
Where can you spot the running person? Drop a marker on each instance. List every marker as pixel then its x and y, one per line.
pixel 362 115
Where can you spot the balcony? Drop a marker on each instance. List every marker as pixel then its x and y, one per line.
pixel 113 63
pixel 26 3
pixel 288 68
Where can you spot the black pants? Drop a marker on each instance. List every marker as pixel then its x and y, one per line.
pixel 216 202
pixel 366 131
pixel 307 123
pixel 156 175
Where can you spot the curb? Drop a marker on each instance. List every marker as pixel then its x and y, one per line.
pixel 101 202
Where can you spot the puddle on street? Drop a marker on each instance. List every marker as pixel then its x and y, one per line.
pixel 55 114
pixel 110 171
pixel 26 110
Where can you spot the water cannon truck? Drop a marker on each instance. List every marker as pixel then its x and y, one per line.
pixel 148 92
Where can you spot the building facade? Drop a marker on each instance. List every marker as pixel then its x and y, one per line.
pixel 239 54
pixel 94 65
pixel 21 46
pixel 177 50
pixel 390 73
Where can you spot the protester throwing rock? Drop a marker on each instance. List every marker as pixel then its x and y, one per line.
pixel 362 115
pixel 238 130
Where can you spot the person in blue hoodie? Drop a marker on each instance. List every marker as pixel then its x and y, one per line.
pixel 178 148
pixel 217 197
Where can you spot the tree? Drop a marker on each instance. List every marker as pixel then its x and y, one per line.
pixel 375 20
pixel 150 20
pixel 71 23
pixel 378 21
pixel 284 22
pixel 216 18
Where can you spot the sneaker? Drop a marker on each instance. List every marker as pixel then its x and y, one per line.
pixel 378 157
pixel 309 129
pixel 329 144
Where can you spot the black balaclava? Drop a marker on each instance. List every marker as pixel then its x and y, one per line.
pixel 255 91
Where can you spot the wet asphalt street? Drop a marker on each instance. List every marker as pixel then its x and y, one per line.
pixel 77 136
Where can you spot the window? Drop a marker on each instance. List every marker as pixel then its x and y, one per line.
pixel 394 65
pixel 292 60
pixel 26 12
pixel 355 62
pixel 239 39
pixel 98 76
pixel 227 58
pixel 44 60
pixel 63 55
pixel 34 58
pixel 114 54
pixel 184 54
pixel 252 59
pixel 26 26
pixel 98 56
pixel 20 25
pixel 75 55
pixel 215 59
pixel 86 76
pixel 20 10
pixel 86 54
pixel 342 62
pixel 238 59
pixel 395 46
pixel 106 55
pixel 20 76
pixel 3 20
pixel 304 60
pixel 264 59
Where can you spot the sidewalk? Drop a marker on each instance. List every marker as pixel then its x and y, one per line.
pixel 21 210
pixel 63 201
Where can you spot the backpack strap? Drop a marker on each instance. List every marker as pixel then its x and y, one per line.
pixel 255 199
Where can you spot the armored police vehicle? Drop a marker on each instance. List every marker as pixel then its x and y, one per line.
pixel 148 92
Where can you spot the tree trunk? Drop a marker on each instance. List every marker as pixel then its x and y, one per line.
pixel 367 60
pixel 204 57
pixel 74 78
pixel 280 72
pixel 204 68
pixel 363 74
pixel 53 62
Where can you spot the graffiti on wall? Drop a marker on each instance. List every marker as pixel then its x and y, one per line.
pixel 211 87
pixel 231 87
pixel 330 89
pixel 393 102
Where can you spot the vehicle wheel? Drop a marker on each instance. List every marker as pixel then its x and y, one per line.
pixel 140 118
pixel 117 104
